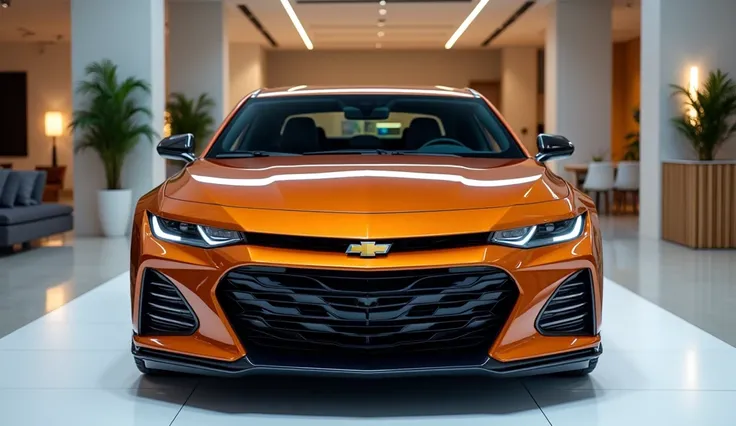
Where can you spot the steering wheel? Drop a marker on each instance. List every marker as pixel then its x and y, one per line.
pixel 443 141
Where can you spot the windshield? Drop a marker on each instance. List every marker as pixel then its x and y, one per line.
pixel 371 124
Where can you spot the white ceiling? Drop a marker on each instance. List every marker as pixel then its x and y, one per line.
pixel 341 26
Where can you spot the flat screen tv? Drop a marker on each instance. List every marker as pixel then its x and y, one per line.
pixel 13 114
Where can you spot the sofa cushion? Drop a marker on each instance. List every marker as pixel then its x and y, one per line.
pixel 10 190
pixel 4 173
pixel 23 214
pixel 25 190
pixel 38 187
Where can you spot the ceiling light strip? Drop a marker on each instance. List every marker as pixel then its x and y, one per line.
pixel 466 23
pixel 297 24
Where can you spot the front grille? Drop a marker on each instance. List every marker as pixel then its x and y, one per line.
pixel 570 310
pixel 164 311
pixel 367 312
pixel 340 245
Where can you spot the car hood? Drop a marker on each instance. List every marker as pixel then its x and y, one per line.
pixel 366 184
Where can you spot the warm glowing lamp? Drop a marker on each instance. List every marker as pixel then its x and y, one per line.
pixel 54 128
pixel 693 90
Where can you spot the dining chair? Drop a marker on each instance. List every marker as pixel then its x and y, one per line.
pixel 627 183
pixel 599 181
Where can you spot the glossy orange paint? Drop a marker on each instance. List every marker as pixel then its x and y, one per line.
pixel 365 197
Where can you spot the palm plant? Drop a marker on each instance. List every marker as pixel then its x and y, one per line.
pixel 708 122
pixel 113 121
pixel 193 116
pixel 632 149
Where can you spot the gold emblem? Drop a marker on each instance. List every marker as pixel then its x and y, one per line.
pixel 368 249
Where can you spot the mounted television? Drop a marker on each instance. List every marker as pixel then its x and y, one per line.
pixel 13 114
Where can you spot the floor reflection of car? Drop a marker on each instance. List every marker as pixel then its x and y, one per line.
pixel 366 231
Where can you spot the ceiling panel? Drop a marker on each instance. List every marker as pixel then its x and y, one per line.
pixel 343 24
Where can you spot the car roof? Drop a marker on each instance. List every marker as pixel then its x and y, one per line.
pixel 368 90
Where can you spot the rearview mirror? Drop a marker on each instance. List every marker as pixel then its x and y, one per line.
pixel 177 147
pixel 553 147
pixel 354 113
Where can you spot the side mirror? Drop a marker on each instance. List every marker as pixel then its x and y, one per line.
pixel 553 147
pixel 177 147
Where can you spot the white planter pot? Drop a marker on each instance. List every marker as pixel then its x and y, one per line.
pixel 114 209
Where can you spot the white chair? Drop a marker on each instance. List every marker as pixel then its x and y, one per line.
pixel 599 180
pixel 627 182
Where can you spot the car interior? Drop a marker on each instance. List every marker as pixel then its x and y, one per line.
pixel 306 126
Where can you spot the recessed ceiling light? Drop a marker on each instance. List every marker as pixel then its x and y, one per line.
pixel 466 23
pixel 381 11
pixel 297 24
pixel 382 2
pixel 381 34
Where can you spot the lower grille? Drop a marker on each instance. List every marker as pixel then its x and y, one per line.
pixel 364 312
pixel 570 310
pixel 164 311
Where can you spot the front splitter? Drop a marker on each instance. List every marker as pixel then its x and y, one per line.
pixel 571 361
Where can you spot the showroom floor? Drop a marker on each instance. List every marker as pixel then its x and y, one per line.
pixel 72 365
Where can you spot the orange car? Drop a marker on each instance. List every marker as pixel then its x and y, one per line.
pixel 366 231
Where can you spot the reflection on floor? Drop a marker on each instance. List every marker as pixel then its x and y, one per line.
pixel 75 362
pixel 696 285
pixel 56 270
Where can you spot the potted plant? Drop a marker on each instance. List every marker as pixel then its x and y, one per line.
pixel 111 123
pixel 696 210
pixel 632 149
pixel 187 115
pixel 707 122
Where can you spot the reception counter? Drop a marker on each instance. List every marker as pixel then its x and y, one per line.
pixel 699 203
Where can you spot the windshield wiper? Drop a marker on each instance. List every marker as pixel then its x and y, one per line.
pixel 251 154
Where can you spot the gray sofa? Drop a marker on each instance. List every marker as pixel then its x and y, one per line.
pixel 24 217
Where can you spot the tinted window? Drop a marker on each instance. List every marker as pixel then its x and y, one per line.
pixel 348 123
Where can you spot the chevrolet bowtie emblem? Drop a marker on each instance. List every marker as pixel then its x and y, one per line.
pixel 368 249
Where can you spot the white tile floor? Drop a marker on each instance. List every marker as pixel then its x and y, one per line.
pixel 73 367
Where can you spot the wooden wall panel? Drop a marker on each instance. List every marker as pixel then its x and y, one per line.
pixel 699 204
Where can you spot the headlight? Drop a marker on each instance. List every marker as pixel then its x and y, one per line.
pixel 191 234
pixel 541 235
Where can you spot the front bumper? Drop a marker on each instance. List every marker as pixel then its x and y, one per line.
pixel 215 347
pixel 572 361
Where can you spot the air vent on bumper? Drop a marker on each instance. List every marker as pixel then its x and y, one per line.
pixel 164 311
pixel 570 311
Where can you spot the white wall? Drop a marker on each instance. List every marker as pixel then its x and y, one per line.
pixel 667 54
pixel 198 52
pixel 519 97
pixel 579 77
pixel 247 70
pixel 131 35
pixel 450 68
pixel 49 88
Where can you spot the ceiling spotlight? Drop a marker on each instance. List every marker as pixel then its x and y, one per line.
pixel 381 34
pixel 381 11
pixel 382 2
pixel 5 4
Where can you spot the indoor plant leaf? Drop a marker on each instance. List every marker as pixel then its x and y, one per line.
pixel 110 121
pixel 191 116
pixel 707 122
